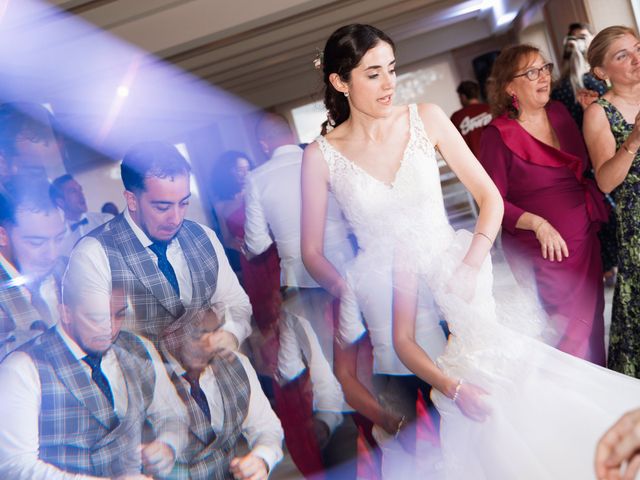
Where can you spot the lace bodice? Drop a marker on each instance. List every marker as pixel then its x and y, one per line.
pixel 408 210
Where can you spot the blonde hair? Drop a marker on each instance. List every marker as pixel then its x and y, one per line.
pixel 602 42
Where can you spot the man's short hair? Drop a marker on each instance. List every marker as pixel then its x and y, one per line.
pixel 22 192
pixel 579 26
pixel 30 120
pixel 56 189
pixel 151 159
pixel 272 126
pixel 469 89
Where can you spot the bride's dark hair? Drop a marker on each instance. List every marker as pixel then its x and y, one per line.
pixel 342 53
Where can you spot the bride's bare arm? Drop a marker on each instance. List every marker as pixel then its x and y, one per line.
pixel 405 300
pixel 345 366
pixel 315 191
pixel 466 396
pixel 462 162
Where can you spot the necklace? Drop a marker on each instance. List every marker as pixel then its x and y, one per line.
pixel 627 102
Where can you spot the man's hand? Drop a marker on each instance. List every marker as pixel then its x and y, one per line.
pixel 157 458
pixel 249 467
pixel 221 340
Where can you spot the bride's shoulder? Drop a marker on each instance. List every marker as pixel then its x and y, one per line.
pixel 430 111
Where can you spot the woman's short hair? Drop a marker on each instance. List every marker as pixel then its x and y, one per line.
pixel 504 69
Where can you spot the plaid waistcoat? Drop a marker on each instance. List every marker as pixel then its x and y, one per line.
pixel 79 431
pixel 208 454
pixel 17 315
pixel 157 309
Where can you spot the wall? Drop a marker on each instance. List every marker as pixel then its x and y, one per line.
pixel 537 36
pixel 433 81
pixel 604 13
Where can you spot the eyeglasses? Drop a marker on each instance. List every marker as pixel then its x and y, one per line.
pixel 534 73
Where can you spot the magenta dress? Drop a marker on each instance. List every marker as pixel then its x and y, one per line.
pixel 540 179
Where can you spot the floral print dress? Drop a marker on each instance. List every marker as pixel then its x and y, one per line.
pixel 624 341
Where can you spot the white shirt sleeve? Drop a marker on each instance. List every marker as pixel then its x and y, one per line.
pixel 261 427
pixel 256 227
pixel 328 399
pixel 89 274
pixel 229 296
pixel 19 435
pixel 167 412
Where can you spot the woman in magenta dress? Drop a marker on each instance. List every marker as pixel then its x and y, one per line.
pixel 535 154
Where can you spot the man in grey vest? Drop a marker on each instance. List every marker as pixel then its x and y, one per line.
pixel 223 396
pixel 76 400
pixel 31 231
pixel 169 268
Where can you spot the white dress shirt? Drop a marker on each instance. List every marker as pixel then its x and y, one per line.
pixel 20 410
pixel 90 273
pixel 300 349
pixel 261 427
pixel 71 237
pixel 273 205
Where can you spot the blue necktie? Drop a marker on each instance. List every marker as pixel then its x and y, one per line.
pixel 198 395
pixel 160 249
pixel 98 376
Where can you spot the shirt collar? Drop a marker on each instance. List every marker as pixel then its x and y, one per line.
pixel 140 235
pixel 73 222
pixel 286 149
pixel 77 352
pixel 178 368
pixel 144 240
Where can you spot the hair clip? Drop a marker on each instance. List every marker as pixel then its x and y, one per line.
pixel 318 60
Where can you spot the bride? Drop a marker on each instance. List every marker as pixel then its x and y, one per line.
pixel 510 405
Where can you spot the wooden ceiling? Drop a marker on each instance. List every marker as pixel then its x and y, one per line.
pixel 262 51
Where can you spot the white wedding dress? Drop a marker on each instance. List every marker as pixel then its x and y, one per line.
pixel 548 408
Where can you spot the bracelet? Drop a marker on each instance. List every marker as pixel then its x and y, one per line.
pixel 626 149
pixel 456 393
pixel 485 236
pixel 401 424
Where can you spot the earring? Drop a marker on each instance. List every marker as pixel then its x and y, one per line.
pixel 607 81
pixel 514 102
pixel 346 94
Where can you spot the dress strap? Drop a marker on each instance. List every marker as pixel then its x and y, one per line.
pixel 328 152
pixel 417 126
pixel 613 114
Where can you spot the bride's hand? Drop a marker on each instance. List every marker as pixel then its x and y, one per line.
pixel 463 282
pixel 471 403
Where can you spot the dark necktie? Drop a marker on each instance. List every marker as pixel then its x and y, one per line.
pixel 160 249
pixel 77 225
pixel 97 375
pixel 198 395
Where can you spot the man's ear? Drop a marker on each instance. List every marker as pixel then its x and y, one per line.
pixel 132 201
pixel 265 148
pixel 59 203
